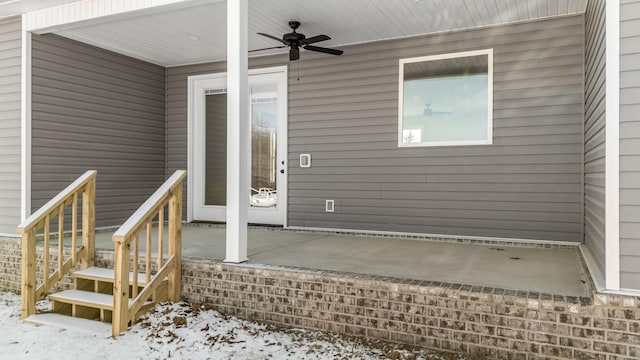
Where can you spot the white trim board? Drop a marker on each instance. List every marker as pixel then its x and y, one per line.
pixel 612 146
pixel 622 291
pixel 6 235
pixel 25 124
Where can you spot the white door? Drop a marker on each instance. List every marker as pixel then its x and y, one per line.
pixel 208 146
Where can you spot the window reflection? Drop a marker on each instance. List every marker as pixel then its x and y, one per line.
pixel 264 120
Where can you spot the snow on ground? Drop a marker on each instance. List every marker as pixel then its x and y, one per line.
pixel 180 331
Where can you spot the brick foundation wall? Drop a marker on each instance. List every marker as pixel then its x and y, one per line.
pixel 498 323
pixel 10 264
pixel 10 271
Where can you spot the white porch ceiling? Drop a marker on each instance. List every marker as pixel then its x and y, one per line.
pixel 163 37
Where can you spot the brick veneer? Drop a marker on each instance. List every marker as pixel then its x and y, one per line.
pixel 499 323
pixel 10 271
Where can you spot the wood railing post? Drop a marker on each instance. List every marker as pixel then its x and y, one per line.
pixel 28 288
pixel 175 242
pixel 89 224
pixel 120 314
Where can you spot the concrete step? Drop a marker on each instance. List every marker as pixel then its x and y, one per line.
pixel 91 327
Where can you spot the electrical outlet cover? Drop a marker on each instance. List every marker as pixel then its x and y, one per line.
pixel 305 160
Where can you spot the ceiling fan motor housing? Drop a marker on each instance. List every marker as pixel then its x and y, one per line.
pixel 293 38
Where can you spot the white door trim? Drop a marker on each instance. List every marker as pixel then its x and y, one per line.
pixel 193 130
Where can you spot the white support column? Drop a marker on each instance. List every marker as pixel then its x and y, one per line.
pixel 612 147
pixel 237 131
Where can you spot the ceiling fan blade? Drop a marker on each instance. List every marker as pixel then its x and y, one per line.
pixel 274 38
pixel 315 39
pixel 294 53
pixel 324 50
pixel 269 48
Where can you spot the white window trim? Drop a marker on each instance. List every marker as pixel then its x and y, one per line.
pixel 489 140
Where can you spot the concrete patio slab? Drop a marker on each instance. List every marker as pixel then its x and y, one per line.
pixel 555 270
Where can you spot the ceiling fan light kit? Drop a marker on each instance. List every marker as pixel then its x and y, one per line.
pixel 295 40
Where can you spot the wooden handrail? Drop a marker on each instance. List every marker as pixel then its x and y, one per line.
pixel 124 310
pixel 31 293
pixel 52 205
pixel 149 208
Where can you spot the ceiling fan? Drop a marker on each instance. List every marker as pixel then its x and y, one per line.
pixel 296 41
pixel 428 112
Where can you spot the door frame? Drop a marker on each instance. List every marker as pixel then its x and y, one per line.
pixel 192 182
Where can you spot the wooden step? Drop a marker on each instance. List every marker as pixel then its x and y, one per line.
pixel 84 298
pixel 85 326
pixel 87 298
pixel 106 275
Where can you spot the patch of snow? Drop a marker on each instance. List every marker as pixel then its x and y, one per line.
pixel 184 331
pixel 91 327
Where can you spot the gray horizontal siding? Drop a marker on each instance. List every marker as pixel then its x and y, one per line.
pixel 94 109
pixel 594 138
pixel 10 67
pixel 343 110
pixel 630 144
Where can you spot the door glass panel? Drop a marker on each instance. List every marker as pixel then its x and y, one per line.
pixel 264 120
pixel 215 192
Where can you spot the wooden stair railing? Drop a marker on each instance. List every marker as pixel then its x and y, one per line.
pixel 126 306
pixel 84 186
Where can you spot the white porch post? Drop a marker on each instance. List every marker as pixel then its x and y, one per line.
pixel 237 131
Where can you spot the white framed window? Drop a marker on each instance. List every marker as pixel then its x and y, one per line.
pixel 446 100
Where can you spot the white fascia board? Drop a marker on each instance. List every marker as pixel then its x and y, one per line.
pixel 612 146
pixel 85 12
